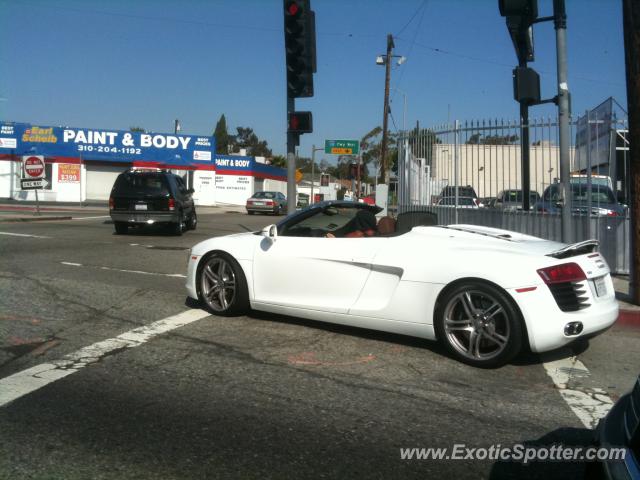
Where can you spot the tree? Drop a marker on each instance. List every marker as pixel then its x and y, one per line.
pixel 476 139
pixel 247 139
pixel 222 136
pixel 370 149
pixel 137 129
pixel 279 161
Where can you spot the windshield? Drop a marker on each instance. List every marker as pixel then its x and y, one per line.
pixel 580 193
pixel 464 201
pixel 516 196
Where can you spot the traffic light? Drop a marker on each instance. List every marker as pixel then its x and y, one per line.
pixel 520 16
pixel 300 47
pixel 526 85
pixel 300 122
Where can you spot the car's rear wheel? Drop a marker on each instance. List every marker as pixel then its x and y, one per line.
pixel 479 324
pixel 121 227
pixel 222 285
pixel 178 227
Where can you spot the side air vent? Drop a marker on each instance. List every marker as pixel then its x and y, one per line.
pixel 570 296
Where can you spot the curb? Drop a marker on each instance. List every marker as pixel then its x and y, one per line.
pixel 31 219
pixel 629 318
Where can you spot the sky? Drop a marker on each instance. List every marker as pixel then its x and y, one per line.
pixel 121 63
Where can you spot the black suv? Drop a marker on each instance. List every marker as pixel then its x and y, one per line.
pixel 148 197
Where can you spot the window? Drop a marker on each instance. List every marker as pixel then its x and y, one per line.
pixel 264 195
pixel 321 222
pixel 132 183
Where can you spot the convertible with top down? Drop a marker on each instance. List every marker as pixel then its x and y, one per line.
pixel 484 293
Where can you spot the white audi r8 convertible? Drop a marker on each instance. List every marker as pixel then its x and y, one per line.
pixel 484 293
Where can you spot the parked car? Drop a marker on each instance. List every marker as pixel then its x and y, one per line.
pixel 463 202
pixel 484 293
pixel 511 200
pixel 583 179
pixel 369 199
pixel 468 191
pixel 267 202
pixel 151 196
pixel 603 201
pixel 620 429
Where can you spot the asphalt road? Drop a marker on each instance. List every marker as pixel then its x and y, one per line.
pixel 260 396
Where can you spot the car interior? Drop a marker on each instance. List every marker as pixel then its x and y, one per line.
pixel 339 220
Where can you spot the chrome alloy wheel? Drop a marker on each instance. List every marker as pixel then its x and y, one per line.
pixel 476 325
pixel 218 284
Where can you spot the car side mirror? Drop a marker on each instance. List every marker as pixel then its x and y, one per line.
pixel 270 231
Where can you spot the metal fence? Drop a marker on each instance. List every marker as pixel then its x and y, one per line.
pixel 471 173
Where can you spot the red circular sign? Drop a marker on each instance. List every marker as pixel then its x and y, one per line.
pixel 34 167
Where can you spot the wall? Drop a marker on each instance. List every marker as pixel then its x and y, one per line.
pixel 492 168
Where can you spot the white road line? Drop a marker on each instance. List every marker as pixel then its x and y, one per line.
pixel 87 218
pixel 589 404
pixel 139 272
pixel 34 378
pixel 22 235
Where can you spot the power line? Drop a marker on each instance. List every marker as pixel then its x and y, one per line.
pixel 506 65
pixel 412 17
pixel 413 40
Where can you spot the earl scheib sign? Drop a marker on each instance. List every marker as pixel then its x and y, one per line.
pixel 105 145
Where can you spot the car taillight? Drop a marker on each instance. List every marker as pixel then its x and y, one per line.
pixel 112 204
pixel 269 202
pixel 172 204
pixel 567 272
pixel 612 213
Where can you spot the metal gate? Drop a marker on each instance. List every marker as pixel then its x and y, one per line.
pixel 471 173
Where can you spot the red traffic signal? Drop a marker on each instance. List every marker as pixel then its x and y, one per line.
pixel 300 47
pixel 300 122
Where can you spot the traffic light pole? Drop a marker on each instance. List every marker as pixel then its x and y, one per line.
pixel 291 161
pixel 525 149
pixel 631 23
pixel 560 21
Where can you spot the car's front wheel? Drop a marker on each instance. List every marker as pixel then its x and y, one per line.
pixel 222 285
pixel 479 324
pixel 193 221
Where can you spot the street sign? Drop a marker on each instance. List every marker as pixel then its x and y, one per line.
pixel 27 184
pixel 342 147
pixel 33 166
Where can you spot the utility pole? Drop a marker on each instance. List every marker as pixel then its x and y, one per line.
pixel 564 112
pixel 631 25
pixel 387 80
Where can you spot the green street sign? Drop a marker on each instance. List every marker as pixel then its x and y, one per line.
pixel 342 147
